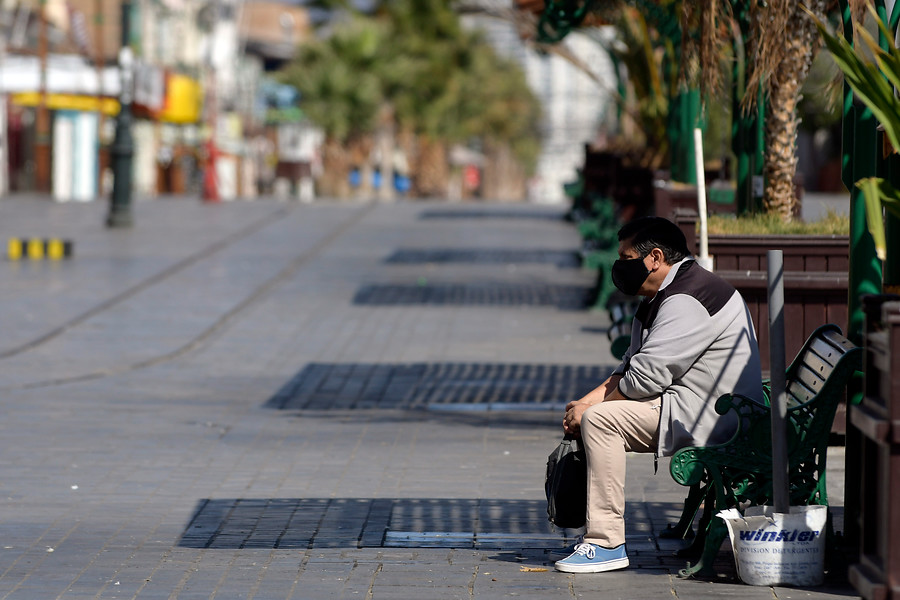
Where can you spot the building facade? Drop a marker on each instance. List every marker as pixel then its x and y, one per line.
pixel 198 69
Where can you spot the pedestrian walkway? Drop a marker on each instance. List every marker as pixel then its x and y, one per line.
pixel 337 400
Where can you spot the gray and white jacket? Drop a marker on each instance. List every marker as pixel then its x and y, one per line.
pixel 690 344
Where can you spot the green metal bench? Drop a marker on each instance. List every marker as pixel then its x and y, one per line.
pixel 598 227
pixel 739 473
pixel 621 309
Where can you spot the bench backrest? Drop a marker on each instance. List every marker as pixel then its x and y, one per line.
pixel 815 384
pixel 825 352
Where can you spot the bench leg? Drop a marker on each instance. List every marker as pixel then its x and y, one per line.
pixel 683 530
pixel 715 535
pixel 695 549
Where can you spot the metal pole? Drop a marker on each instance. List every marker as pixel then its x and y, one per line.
pixel 748 129
pixel 684 117
pixel 778 408
pixel 122 149
pixel 210 190
pixel 4 144
pixel 42 115
pixel 99 64
pixel 704 260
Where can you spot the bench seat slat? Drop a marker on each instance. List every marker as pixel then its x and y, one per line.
pixel 826 351
pixel 799 392
pixel 810 379
pixel 815 363
pixel 838 340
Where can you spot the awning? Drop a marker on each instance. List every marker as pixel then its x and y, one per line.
pixel 109 106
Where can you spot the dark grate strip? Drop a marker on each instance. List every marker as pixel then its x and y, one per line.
pixel 292 523
pixel 563 297
pixel 437 386
pixel 562 259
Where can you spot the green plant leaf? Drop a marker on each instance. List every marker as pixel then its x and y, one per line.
pixel 878 194
pixel 874 84
pixel 888 62
pixel 892 204
pixel 867 80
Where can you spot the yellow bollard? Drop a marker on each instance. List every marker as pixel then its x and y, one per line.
pixel 18 248
pixel 55 249
pixel 14 249
pixel 35 249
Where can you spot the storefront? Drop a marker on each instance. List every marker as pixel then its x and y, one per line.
pixel 167 109
pixel 170 158
pixel 75 142
pixel 77 97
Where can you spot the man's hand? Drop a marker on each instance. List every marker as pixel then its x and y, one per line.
pixel 572 420
pixel 608 390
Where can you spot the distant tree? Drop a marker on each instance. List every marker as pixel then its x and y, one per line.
pixel 411 62
pixel 341 85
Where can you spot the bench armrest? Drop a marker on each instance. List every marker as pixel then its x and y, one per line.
pixel 688 464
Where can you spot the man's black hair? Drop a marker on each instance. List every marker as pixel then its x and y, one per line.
pixel 647 233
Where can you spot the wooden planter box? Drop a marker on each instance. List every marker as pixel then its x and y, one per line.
pixel 815 282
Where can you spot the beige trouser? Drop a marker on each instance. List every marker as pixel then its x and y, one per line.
pixel 609 430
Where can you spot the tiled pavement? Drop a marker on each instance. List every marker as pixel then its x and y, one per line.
pixel 267 400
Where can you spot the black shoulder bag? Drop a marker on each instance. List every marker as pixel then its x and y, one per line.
pixel 566 484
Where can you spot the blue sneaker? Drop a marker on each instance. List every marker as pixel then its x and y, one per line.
pixel 590 558
pixel 560 553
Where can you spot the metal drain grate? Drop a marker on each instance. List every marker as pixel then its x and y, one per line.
pixel 437 386
pixel 370 522
pixel 563 297
pixel 563 259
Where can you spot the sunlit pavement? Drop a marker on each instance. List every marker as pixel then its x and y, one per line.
pixel 336 400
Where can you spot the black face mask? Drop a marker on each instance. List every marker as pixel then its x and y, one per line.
pixel 629 275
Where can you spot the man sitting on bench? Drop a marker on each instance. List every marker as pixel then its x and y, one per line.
pixel 692 341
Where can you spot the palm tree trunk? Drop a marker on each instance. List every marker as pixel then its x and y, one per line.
pixel 432 172
pixel 504 178
pixel 384 140
pixel 335 170
pixel 782 123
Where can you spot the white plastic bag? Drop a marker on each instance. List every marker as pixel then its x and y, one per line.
pixel 776 548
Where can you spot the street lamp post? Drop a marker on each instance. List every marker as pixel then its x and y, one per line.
pixel 42 123
pixel 122 149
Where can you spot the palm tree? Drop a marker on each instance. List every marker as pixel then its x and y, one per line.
pixel 428 85
pixel 652 89
pixel 504 114
pixel 787 44
pixel 782 45
pixel 342 92
pixel 410 74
